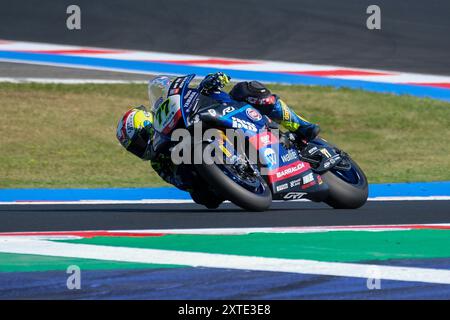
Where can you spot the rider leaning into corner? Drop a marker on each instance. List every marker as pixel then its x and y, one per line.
pixel 135 129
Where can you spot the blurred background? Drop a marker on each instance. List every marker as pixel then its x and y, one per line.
pixel 414 34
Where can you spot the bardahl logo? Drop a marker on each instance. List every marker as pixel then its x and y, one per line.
pixel 290 170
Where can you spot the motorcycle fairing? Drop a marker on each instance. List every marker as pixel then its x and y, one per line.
pixel 168 114
pixel 288 177
pixel 188 96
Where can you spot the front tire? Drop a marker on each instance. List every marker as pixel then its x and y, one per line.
pixel 231 190
pixel 345 195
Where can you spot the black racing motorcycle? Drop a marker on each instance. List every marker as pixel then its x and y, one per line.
pixel 285 169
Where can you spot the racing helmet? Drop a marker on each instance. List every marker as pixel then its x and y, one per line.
pixel 158 90
pixel 254 93
pixel 134 132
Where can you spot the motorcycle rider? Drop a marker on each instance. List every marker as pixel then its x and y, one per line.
pixel 135 130
pixel 260 97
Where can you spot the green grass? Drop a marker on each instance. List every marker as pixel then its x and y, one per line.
pixel 57 136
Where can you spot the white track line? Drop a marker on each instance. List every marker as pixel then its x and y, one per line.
pixel 300 229
pixel 49 235
pixel 81 202
pixel 255 65
pixel 179 201
pixel 209 260
pixel 69 81
pixel 410 198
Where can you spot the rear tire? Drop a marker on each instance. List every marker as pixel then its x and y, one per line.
pixel 343 195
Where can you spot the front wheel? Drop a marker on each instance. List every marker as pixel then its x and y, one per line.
pixel 348 189
pixel 238 184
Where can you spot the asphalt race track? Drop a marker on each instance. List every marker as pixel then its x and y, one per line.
pixel 413 35
pixel 40 217
pixel 22 70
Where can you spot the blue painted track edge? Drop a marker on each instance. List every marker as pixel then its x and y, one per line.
pixel 414 189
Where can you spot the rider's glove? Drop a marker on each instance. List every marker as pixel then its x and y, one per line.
pixel 215 81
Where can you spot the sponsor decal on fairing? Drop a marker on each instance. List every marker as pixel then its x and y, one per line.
pixel 289 156
pixel 295 182
pixel 263 139
pixel 308 178
pixel 282 187
pixel 308 185
pixel 294 195
pixel 253 114
pixel 239 124
pixel 174 91
pixel 270 156
pixel 188 99
pixel 288 171
pixel 228 110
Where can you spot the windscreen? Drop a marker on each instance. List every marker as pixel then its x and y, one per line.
pixel 158 88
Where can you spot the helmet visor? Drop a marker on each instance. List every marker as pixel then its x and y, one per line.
pixel 139 143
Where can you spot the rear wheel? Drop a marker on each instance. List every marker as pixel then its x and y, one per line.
pixel 240 184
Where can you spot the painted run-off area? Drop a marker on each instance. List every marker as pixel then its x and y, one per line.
pixel 411 260
pixel 344 245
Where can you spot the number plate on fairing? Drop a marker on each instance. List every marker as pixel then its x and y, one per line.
pixel 168 114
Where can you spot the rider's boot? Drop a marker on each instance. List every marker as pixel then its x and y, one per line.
pixel 308 132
